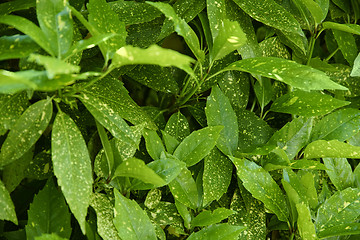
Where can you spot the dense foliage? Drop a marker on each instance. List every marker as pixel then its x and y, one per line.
pixel 179 119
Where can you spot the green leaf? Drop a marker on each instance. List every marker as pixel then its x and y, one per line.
pixel 356 68
pixel 306 104
pixel 183 188
pixel 286 71
pixel 347 45
pixel 153 198
pixel 171 143
pixel 219 112
pixel 314 9
pixel 340 125
pixel 51 236
pixel 9 7
pixel 339 172
pixel 342 208
pixel 7 206
pixel 16 46
pixel 182 28
pixel 26 131
pixel 130 55
pixel 131 12
pixel 304 222
pixel 105 20
pixel 49 202
pixel 131 221
pixel 54 66
pixel 110 92
pixel 293 136
pixel 136 168
pixel 208 218
pixel 105 214
pixel 72 164
pixel 264 91
pixel 262 186
pixel 217 232
pixel 341 230
pixel 216 176
pixel 331 149
pixel 56 23
pixel 350 28
pixel 30 29
pixel 154 145
pixel 108 113
pixel 197 145
pixel 165 213
pixel 307 164
pixel 11 108
pixel 178 126
pixel 273 47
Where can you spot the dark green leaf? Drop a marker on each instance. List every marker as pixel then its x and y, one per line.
pixel 178 126
pixel 262 186
pixel 197 145
pixel 207 217
pixel 11 108
pixel 264 91
pixel 183 188
pixel 286 71
pixel 217 232
pixel 306 103
pixel 165 213
pixel 7 206
pixel 136 168
pixel 131 221
pixel 16 46
pixel 105 215
pixel 105 20
pixel 339 172
pixel 272 47
pixel 9 7
pixel 49 202
pixel 216 176
pixel 331 149
pixel 154 145
pixel 347 45
pixel 72 164
pixel 130 55
pixel 182 28
pixel 219 112
pixel 26 131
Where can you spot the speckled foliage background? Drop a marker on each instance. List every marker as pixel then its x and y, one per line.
pixel 179 119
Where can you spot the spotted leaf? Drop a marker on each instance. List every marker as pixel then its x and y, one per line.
pixel 178 126
pixel 332 149
pixel 26 131
pixel 217 232
pixel 154 145
pixel 304 222
pixel 72 164
pixel 207 217
pixel 7 206
pixel 350 28
pixel 16 46
pixel 340 172
pixel 130 220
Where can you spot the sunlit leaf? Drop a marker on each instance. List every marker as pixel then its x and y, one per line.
pixel 217 232
pixel 331 149
pixel 16 46
pixel 7 206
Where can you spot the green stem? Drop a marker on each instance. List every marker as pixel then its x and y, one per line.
pixel 311 49
pixel 83 21
pixel 331 55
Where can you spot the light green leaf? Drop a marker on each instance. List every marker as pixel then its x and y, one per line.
pixel 154 145
pixel 16 46
pixel 136 168
pixel 331 149
pixel 105 215
pixel 340 172
pixel 72 164
pixel 264 91
pixel 110 92
pixel 105 20
pixel 307 164
pixel 304 222
pixel 216 176
pixel 342 208
pixel 30 29
pixel 220 112
pixel 286 71
pixel 48 236
pixel 130 55
pixel 197 145
pixel 350 28
pixel 26 131
pixel 324 5
pixel 314 9
pixel 182 28
pixel 178 126
pixel 54 66
pixel 341 230
pixel 347 45
pixel 208 218
pixel 218 232
pixel 340 125
pixel 131 12
pixel 153 198
pixel 183 188
pixel 131 221
pixel 306 104
pixel 9 7
pixel 55 21
pixel 11 108
pixel 49 202
pixel 355 72
pixel 262 186
pixel 7 206
pixel 171 143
